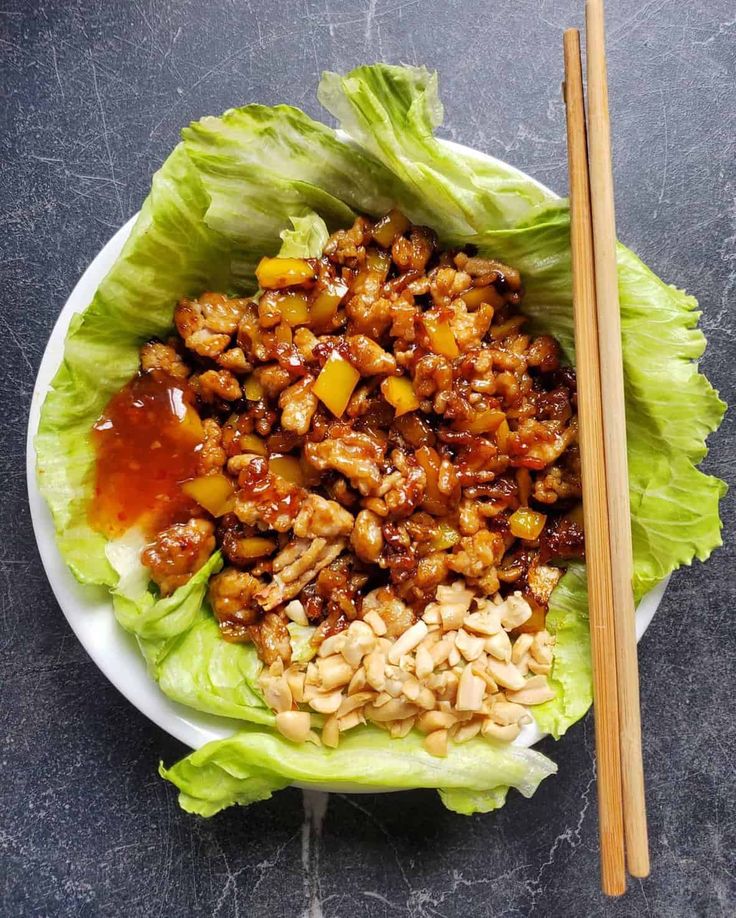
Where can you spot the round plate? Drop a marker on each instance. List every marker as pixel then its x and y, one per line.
pixel 89 610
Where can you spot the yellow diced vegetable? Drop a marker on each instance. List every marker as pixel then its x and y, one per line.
pixel 294 307
pixel 503 431
pixel 441 337
pixel 253 389
pixel 255 547
pixel 190 424
pixel 213 492
pixel 251 443
pixel 287 467
pixel 283 272
pixel 509 327
pixel 527 524
pixel 335 383
pixel 446 537
pixel 283 334
pixel 399 392
pixel 326 303
pixel 389 227
pixel 486 421
pixel 378 261
pixel 537 620
pixel 476 296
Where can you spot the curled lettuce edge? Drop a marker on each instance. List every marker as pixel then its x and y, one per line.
pixel 253 763
pixel 238 187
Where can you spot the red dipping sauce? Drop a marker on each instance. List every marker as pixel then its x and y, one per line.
pixel 146 442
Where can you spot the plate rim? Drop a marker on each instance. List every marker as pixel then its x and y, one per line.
pixel 88 610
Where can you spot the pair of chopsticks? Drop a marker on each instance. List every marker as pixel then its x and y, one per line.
pixel 601 411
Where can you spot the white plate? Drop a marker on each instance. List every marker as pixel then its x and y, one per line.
pixel 89 611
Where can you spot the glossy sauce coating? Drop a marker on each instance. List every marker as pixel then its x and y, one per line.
pixel 146 443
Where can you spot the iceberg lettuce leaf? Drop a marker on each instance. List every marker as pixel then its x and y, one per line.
pixel 571 675
pixel 393 112
pixel 181 641
pixel 250 763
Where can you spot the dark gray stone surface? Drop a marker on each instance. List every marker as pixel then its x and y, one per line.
pixel 94 93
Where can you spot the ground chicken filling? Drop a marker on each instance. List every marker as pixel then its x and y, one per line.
pixel 383 453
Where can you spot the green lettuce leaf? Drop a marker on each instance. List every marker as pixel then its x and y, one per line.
pixel 392 112
pixel 142 612
pixel 253 763
pixel 307 237
pixel 264 166
pixel 203 671
pixel 571 675
pixel 300 638
pixel 468 802
pixel 180 639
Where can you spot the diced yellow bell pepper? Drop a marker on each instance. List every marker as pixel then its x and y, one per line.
pixel 503 432
pixel 335 383
pixel 486 421
pixel 287 467
pixel 446 537
pixel 509 327
pixel 294 307
pixel 255 547
pixel 537 620
pixel 190 425
pixel 476 296
pixel 399 392
pixel 378 261
pixel 526 524
pixel 283 334
pixel 326 303
pixel 215 493
pixel 389 227
pixel 252 443
pixel 252 388
pixel 283 272
pixel 441 337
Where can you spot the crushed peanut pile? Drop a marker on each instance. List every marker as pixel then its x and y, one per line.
pixel 455 673
pixel 373 440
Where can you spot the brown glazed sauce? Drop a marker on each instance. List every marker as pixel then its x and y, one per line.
pixel 146 443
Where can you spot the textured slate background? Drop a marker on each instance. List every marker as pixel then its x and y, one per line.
pixel 94 93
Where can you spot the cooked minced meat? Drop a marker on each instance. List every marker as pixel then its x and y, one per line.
pixel 376 420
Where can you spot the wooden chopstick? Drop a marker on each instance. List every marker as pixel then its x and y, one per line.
pixel 595 502
pixel 614 429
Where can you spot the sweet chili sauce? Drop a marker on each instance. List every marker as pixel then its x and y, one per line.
pixel 146 444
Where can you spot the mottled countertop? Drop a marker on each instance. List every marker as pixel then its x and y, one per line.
pixel 94 93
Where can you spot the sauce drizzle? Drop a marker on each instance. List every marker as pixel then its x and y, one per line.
pixel 146 442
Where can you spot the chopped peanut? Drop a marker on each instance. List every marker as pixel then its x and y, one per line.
pixel 294 725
